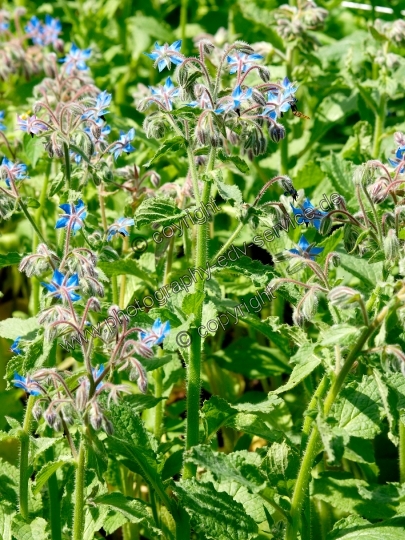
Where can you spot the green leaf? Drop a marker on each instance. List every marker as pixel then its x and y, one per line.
pixel 306 361
pixel 125 267
pixel 46 472
pixel 280 467
pixel 348 494
pixel 131 441
pixel 263 361
pixel 216 514
pixel 158 210
pixel 239 163
pixel 340 173
pixel 241 467
pixel 14 327
pixel 216 412
pixel 9 260
pixel 33 149
pixel 36 530
pixel 376 34
pixel 226 191
pixel 134 510
pixel 171 144
pixel 56 185
pixel 9 485
pixel 342 334
pixel 309 175
pixel 36 355
pixel 358 409
pixel 368 274
pixel 357 529
pixel 260 274
pixel 192 303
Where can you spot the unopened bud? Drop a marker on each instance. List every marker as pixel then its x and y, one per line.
pixel 50 416
pixel 264 74
pixel 108 426
pixel 37 411
pixel 343 297
pixel 82 395
pixel 309 305
pixel 326 225
pixel 155 179
pixel 96 417
pixel 277 132
pixel 391 245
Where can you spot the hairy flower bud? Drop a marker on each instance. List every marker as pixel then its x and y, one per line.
pixel 343 297
pixel 276 132
pixel 96 417
pixel 309 305
pixel 82 395
pixel 264 74
pixel 108 426
pixel 391 245
pixel 37 411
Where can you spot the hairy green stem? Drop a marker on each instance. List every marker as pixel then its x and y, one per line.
pixel 67 163
pixel 311 451
pixel 194 367
pixel 54 504
pixel 31 220
pixel 78 516
pixel 183 19
pixel 379 126
pixel 24 449
pixel 401 452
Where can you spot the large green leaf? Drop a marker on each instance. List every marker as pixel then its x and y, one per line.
pixel 158 210
pixel 355 529
pixel 215 514
pixel 35 530
pixel 10 259
pixel 358 409
pixel 241 467
pixel 134 510
pixel 348 494
pixel 263 361
pixel 47 471
pixel 15 327
pixel 306 361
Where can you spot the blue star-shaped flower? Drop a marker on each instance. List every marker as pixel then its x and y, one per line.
pixel 165 94
pixel 76 59
pixel 4 26
pixel 165 55
pixel 289 88
pixel 34 30
pixel 31 124
pixel 63 286
pixel 27 384
pixel 309 214
pixel 119 227
pixel 234 101
pixel 305 249
pixel 123 144
pixel 103 100
pixel 2 126
pixel 204 101
pixel 399 158
pixel 73 216
pixel 51 30
pixel 242 62
pixel 157 334
pixel 14 171
pixel 15 346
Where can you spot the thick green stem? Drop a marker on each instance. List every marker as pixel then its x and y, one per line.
pixel 30 219
pixel 67 163
pixel 304 474
pixel 78 516
pixel 158 376
pixel 54 504
pixel 401 452
pixel 379 126
pixel 183 19
pixel 194 367
pixel 25 445
pixel 35 240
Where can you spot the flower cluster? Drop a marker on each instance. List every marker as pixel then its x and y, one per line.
pixel 220 117
pixel 298 22
pixel 59 405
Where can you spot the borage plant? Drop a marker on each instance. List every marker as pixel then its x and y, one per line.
pixel 159 404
